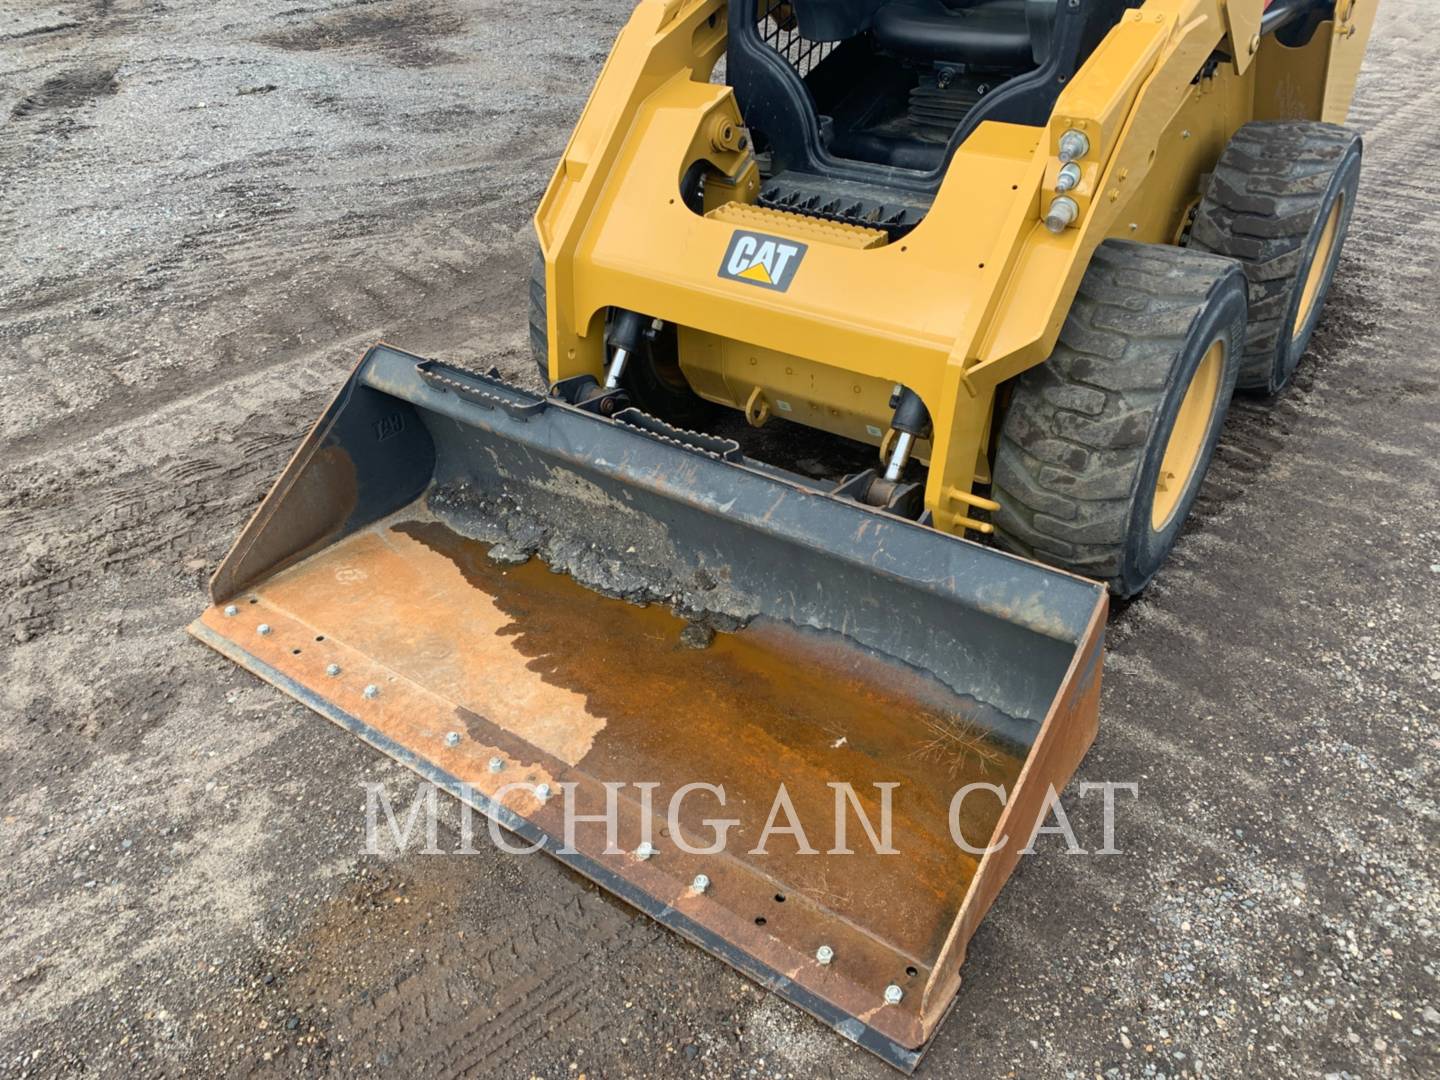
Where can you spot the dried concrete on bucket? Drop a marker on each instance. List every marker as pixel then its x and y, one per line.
pixel 601 542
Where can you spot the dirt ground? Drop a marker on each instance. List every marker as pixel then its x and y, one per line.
pixel 208 210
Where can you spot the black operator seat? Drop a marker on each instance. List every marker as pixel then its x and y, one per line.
pixel 1005 34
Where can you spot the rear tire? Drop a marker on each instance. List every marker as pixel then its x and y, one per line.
pixel 653 377
pixel 1104 446
pixel 1280 201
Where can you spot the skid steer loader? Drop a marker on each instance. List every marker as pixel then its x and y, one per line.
pixel 1020 253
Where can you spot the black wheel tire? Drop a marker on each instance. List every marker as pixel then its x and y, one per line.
pixel 1269 204
pixel 1085 433
pixel 653 377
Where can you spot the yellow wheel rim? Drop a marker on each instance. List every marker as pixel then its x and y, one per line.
pixel 1315 276
pixel 1187 437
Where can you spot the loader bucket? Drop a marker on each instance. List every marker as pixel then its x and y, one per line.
pixel 728 642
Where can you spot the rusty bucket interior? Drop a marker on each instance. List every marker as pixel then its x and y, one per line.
pixel 542 609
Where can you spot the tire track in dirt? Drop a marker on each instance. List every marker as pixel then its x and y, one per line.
pixel 454 1003
pixel 407 288
pixel 374 216
pixel 530 990
pixel 70 90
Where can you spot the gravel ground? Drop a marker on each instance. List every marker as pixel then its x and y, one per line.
pixel 210 209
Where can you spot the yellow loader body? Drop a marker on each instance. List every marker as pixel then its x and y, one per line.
pixel 975 295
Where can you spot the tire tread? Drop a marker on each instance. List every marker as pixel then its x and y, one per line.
pixel 1064 476
pixel 1259 207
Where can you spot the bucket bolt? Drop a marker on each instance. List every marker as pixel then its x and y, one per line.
pixel 893 995
pixel 911 422
pixel 627 332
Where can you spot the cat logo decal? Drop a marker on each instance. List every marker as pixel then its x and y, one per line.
pixel 767 261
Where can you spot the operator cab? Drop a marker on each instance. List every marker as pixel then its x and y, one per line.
pixel 935 60
pixel 870 98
